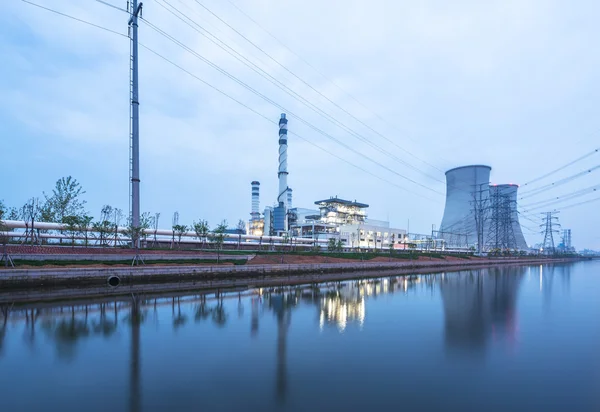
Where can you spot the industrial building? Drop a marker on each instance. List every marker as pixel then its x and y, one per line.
pixel 343 220
pixel 479 215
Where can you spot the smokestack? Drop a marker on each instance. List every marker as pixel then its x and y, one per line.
pixel 282 172
pixel 255 214
pixel 289 198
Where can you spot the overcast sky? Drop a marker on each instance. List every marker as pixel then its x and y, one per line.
pixel 430 84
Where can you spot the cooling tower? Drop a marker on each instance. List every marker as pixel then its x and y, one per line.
pixel 467 193
pixel 504 218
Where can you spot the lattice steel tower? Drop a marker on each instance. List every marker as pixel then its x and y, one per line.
pixel 549 227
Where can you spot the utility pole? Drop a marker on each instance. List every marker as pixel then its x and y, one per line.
pixel 548 230
pixel 135 10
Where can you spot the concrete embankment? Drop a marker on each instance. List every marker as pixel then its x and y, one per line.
pixel 19 279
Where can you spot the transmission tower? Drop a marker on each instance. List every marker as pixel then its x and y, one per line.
pixel 501 235
pixel 549 227
pixel 480 213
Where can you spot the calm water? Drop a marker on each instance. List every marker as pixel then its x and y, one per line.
pixel 507 339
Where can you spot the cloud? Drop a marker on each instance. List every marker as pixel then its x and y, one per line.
pixel 499 82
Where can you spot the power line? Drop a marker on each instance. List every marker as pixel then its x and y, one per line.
pixel 560 182
pixel 75 18
pixel 543 203
pixel 230 97
pixel 219 43
pixel 267 99
pixel 310 86
pixel 585 156
pixel 580 203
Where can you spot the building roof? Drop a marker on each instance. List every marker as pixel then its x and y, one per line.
pixel 342 202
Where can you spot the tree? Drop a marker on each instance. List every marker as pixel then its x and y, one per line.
pixel 179 231
pixel 104 226
pixel 331 244
pixel 84 222
pixel 2 209
pixel 30 213
pixel 218 235
pixel 136 233
pixel 72 224
pixel 4 239
pixel 339 245
pixel 202 229
pixel 66 198
pixel 146 222
pixel 241 229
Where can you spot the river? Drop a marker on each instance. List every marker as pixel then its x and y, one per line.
pixel 520 338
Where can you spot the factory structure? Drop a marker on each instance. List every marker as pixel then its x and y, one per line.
pixel 478 214
pixel 345 221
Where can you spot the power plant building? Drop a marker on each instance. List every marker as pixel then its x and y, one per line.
pixel 343 220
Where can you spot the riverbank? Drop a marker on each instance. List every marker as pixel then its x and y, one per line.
pixel 159 277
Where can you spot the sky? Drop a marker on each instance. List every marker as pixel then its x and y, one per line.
pixel 382 97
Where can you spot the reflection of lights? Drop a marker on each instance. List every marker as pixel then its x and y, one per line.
pixel 339 311
pixel 541 275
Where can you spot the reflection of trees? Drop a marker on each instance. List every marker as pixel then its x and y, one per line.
pixel 104 326
pixel 219 315
pixel 202 312
pixel 66 332
pixel 5 312
pixel 180 319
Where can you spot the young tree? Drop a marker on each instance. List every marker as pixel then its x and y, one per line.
pixel 331 244
pixel 241 229
pixel 4 239
pixel 104 226
pixel 175 222
pixel 66 198
pixel 146 222
pixel 202 229
pixel 179 231
pixel 72 224
pixel 218 235
pixel 83 225
pixel 118 217
pixel 30 213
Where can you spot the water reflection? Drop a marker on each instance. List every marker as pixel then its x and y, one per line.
pixel 479 304
pixel 479 307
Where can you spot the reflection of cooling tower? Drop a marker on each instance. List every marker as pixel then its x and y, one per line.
pixel 506 195
pixel 467 187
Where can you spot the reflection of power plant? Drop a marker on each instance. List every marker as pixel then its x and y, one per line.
pixel 478 304
pixel 282 306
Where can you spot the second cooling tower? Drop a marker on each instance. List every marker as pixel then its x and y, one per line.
pixel 504 229
pixel 467 189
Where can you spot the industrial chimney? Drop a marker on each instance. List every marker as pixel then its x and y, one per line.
pixel 255 214
pixel 279 213
pixel 289 198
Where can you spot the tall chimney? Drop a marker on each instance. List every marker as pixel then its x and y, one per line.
pixel 282 172
pixel 289 198
pixel 255 214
